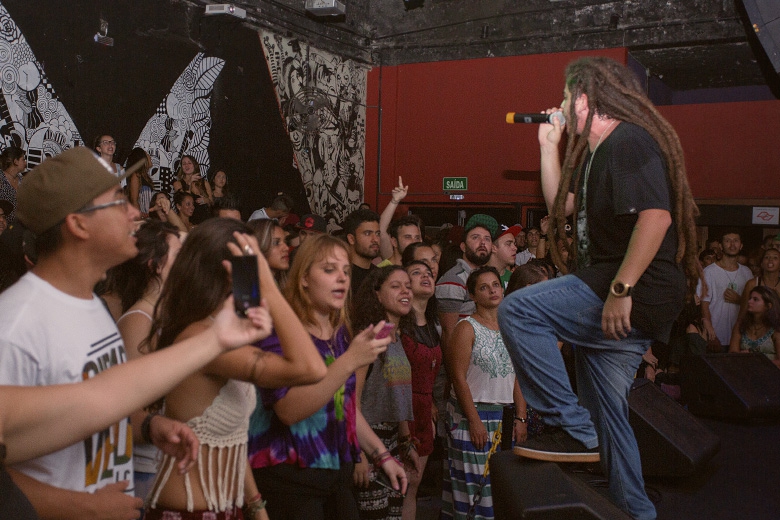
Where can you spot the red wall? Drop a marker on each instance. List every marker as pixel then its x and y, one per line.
pixel 732 150
pixel 446 119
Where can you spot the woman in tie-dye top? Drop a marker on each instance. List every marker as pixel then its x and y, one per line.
pixel 305 440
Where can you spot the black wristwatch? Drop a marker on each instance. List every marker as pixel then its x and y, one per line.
pixel 620 289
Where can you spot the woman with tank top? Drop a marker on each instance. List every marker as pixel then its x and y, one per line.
pixel 140 186
pixel 216 401
pixel 139 282
pixel 759 329
pixel 483 382
pixel 305 441
pixel 769 277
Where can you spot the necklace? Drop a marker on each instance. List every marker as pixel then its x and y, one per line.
pixel 763 282
pixel 147 300
pixel 592 155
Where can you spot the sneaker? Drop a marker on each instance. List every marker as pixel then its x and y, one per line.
pixel 555 445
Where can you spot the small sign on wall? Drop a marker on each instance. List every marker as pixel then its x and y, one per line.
pixel 766 216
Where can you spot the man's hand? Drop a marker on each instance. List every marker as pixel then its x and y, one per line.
pixel 111 503
pixel 616 317
pixel 176 439
pixel 732 296
pixel 520 432
pixel 544 224
pixel 400 191
pixel 550 134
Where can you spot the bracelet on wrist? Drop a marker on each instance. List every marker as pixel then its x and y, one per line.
pixel 387 458
pixel 257 498
pixel 146 428
pixel 252 507
pixel 521 419
pixel 381 458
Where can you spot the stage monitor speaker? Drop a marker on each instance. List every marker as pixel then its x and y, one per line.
pixel 731 386
pixel 672 442
pixel 543 491
pixel 765 18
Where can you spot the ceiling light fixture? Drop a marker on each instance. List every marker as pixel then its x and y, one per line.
pixel 229 9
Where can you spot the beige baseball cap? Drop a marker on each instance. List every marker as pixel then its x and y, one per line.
pixel 62 185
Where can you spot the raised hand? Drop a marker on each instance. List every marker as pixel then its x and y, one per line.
pixel 551 133
pixel 400 191
pixel 365 347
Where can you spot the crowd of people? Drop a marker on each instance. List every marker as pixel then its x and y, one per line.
pixel 373 343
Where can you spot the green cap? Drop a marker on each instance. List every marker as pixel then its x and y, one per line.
pixel 482 220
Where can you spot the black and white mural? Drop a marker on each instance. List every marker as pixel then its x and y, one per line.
pixel 322 99
pixel 33 118
pixel 182 123
pixel 31 115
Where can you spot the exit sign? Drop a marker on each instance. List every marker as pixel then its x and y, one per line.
pixel 456 184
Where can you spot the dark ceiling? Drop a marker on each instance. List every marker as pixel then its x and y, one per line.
pixel 686 44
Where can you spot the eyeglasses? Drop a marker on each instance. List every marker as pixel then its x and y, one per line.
pixel 119 202
pixel 105 143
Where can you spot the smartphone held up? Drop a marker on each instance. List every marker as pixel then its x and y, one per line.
pixel 246 283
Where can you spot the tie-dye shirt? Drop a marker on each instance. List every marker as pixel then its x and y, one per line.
pixel 323 440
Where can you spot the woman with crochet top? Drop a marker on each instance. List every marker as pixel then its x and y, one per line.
pixel 759 329
pixel 217 400
pixel 304 441
pixel 385 389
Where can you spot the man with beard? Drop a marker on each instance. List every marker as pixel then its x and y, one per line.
pixel 726 280
pixel 361 227
pixel 454 301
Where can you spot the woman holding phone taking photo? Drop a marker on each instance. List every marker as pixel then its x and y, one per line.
pixel 304 441
pixel 386 396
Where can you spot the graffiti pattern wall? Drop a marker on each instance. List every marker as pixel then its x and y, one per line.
pixel 182 122
pixel 31 115
pixel 322 99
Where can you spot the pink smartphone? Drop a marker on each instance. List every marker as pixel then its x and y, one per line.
pixel 386 330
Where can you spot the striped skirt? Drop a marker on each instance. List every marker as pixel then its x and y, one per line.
pixel 467 464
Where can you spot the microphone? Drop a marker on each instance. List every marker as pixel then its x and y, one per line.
pixel 514 117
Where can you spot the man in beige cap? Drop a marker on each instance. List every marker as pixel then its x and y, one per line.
pixel 54 330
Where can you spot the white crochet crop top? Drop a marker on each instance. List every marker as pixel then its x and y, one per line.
pixel 222 428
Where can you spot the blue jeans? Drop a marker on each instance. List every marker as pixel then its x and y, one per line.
pixel 532 320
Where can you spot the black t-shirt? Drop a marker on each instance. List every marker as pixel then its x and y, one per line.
pixel 358 275
pixel 628 176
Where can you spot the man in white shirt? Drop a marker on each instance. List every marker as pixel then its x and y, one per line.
pixel 726 280
pixel 55 330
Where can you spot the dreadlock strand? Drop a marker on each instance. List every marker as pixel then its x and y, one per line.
pixel 613 91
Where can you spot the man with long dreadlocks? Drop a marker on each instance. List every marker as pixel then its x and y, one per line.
pixel 623 177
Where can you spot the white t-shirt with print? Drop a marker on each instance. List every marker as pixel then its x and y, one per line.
pixel 48 337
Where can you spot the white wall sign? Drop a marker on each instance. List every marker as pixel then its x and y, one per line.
pixel 765 216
